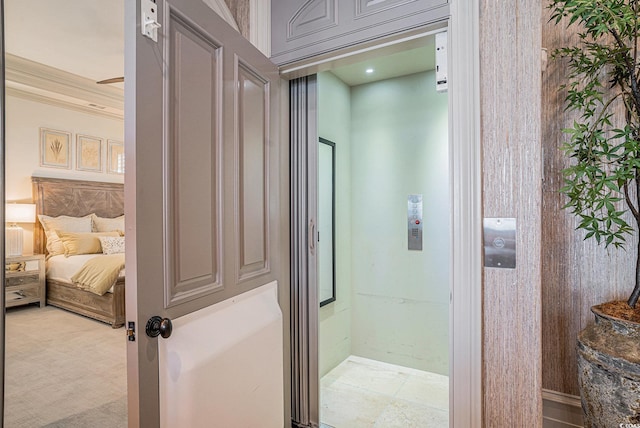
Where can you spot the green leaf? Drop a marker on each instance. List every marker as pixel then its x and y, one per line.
pixel 602 146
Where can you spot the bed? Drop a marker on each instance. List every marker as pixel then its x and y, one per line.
pixel 76 198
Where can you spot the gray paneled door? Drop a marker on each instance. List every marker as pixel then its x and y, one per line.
pixel 203 177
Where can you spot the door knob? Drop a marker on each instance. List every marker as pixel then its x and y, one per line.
pixel 159 326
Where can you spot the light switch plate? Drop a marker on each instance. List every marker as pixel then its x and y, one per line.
pixel 500 243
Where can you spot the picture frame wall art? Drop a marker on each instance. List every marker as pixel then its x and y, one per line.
pixel 115 157
pixel 88 153
pixel 55 148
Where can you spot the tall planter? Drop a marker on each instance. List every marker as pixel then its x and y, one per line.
pixel 609 371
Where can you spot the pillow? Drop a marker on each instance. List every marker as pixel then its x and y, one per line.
pixel 82 243
pixel 104 224
pixel 112 245
pixel 65 224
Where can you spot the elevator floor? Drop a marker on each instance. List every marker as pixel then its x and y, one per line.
pixel 361 393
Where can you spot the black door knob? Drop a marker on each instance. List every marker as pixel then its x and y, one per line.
pixel 159 326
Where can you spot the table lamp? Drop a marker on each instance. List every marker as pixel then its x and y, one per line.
pixel 14 214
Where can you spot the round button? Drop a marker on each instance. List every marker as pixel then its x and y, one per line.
pixel 417 221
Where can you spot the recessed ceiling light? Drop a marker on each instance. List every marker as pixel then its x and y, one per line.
pixel 369 70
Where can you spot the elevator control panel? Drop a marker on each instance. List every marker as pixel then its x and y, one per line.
pixel 414 222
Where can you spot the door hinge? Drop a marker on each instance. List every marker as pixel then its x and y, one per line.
pixel 149 19
pixel 131 331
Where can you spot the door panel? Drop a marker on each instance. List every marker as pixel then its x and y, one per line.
pixel 205 222
pixel 253 120
pixel 242 325
pixel 193 150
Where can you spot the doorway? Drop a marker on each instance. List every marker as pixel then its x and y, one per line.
pixel 465 262
pixel 383 341
pixel 62 368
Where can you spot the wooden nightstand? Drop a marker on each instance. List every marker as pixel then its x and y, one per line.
pixel 24 280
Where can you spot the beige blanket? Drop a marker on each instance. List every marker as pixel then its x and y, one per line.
pixel 99 273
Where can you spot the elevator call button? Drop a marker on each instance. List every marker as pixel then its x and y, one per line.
pixel 414 222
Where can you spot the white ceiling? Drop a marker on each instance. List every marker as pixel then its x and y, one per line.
pixel 406 60
pixel 83 37
pixel 86 38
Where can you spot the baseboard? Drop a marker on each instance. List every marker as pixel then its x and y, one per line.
pixel 561 410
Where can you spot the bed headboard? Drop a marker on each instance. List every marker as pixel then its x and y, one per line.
pixel 77 198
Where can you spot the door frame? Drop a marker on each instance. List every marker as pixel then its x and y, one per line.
pixel 3 201
pixel 465 316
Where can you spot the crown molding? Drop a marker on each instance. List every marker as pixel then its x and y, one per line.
pixel 38 82
pixel 56 102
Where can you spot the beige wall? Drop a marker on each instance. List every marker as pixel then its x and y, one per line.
pixel 510 69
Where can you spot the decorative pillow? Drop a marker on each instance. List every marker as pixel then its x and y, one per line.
pixel 104 224
pixel 65 224
pixel 83 243
pixel 112 245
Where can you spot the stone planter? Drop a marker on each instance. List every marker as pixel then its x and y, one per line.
pixel 609 372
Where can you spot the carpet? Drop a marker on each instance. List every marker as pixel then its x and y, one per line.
pixel 110 415
pixel 63 369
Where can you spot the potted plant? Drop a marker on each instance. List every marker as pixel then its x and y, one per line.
pixel 602 185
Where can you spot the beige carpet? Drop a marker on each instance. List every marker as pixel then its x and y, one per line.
pixel 63 370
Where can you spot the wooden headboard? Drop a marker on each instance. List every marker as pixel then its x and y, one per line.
pixel 76 198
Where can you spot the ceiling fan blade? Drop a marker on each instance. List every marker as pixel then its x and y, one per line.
pixel 112 80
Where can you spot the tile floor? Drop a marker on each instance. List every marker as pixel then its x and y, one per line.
pixel 361 393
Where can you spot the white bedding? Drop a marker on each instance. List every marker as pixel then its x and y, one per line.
pixel 62 268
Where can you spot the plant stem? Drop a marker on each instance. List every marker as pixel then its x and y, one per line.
pixel 635 294
pixel 631 67
pixel 633 299
pixel 632 207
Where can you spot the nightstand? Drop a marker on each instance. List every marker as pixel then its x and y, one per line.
pixel 24 280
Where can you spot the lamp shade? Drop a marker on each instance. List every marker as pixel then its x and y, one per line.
pixel 20 213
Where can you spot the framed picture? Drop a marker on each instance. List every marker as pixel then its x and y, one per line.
pixel 88 153
pixel 115 150
pixel 55 150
